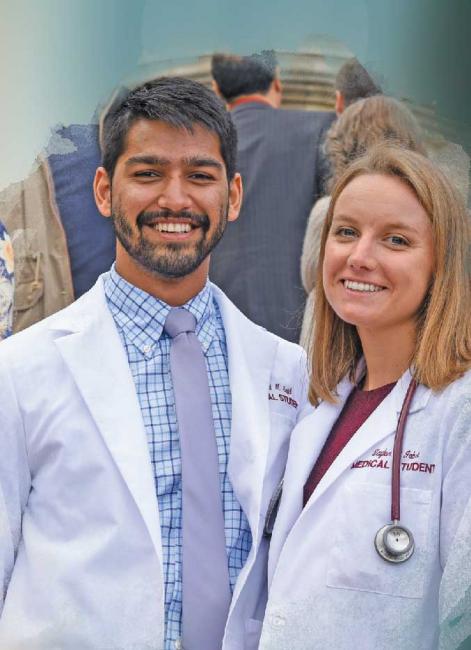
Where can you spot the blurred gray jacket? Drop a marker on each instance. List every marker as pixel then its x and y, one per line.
pixel 257 262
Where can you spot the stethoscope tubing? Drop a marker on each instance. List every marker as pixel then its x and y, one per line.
pixel 397 453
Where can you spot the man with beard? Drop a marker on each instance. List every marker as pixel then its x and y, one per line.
pixel 144 428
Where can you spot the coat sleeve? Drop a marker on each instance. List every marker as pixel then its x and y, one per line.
pixel 455 531
pixel 15 480
pixel 303 378
pixel 456 487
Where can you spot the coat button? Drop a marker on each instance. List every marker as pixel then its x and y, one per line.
pixel 277 621
pixel 178 644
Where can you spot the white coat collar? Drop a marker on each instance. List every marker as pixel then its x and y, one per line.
pixel 380 424
pixel 251 354
pixel 90 341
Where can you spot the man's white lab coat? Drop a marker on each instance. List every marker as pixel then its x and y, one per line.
pixel 80 546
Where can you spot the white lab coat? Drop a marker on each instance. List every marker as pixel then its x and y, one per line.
pixel 80 549
pixel 328 587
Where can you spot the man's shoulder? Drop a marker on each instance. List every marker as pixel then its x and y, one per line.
pixel 301 128
pixel 34 343
pixel 269 115
pixel 237 324
pixel 308 118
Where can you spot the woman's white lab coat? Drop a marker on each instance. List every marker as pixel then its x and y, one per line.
pixel 328 587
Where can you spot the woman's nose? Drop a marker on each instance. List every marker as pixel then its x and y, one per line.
pixel 362 255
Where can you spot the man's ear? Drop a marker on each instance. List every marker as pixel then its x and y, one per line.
pixel 102 191
pixel 276 92
pixel 339 102
pixel 235 197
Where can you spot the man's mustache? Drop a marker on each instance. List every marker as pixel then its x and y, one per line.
pixel 146 218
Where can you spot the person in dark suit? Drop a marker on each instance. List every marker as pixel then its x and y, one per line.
pixel 279 158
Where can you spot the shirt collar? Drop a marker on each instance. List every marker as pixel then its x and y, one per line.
pixel 249 99
pixel 141 317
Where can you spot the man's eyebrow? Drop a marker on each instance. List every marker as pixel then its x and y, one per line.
pixel 192 161
pixel 147 160
pixel 197 161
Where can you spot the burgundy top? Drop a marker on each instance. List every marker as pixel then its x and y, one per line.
pixel 359 406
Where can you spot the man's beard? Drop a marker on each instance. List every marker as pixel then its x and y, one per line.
pixel 172 259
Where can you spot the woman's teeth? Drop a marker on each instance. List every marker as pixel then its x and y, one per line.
pixel 361 286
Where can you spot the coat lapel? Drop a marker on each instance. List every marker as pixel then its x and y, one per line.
pixel 251 355
pixel 306 445
pixel 92 350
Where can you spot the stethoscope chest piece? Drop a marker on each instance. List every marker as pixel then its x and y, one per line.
pixel 394 543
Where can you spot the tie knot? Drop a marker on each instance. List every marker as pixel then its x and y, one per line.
pixel 179 320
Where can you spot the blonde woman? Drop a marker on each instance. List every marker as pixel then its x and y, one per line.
pixel 362 125
pixel 368 527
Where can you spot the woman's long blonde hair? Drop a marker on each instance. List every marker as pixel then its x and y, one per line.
pixel 443 343
pixel 366 123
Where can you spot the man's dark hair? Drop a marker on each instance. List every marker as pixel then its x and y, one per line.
pixel 243 75
pixel 176 101
pixel 354 82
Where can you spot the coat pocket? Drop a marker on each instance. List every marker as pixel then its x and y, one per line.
pixel 354 563
pixel 29 282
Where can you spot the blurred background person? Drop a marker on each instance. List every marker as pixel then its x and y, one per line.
pixel 62 244
pixel 279 158
pixel 353 82
pixel 362 125
pixel 6 283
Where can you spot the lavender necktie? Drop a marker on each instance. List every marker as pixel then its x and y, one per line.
pixel 205 577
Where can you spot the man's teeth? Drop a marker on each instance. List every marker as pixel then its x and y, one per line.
pixel 361 286
pixel 173 227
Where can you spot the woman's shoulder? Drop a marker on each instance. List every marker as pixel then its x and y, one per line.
pixel 459 389
pixel 449 411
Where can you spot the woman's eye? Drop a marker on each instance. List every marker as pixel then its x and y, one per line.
pixel 398 240
pixel 345 232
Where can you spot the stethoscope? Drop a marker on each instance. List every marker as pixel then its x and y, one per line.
pixel 393 542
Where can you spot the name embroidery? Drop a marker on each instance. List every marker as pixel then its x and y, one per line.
pixel 281 393
pixel 382 459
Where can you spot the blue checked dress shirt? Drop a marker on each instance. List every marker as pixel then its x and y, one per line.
pixel 140 318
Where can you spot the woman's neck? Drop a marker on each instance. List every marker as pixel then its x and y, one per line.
pixel 387 355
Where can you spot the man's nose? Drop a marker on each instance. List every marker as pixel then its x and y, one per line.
pixel 173 195
pixel 363 254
